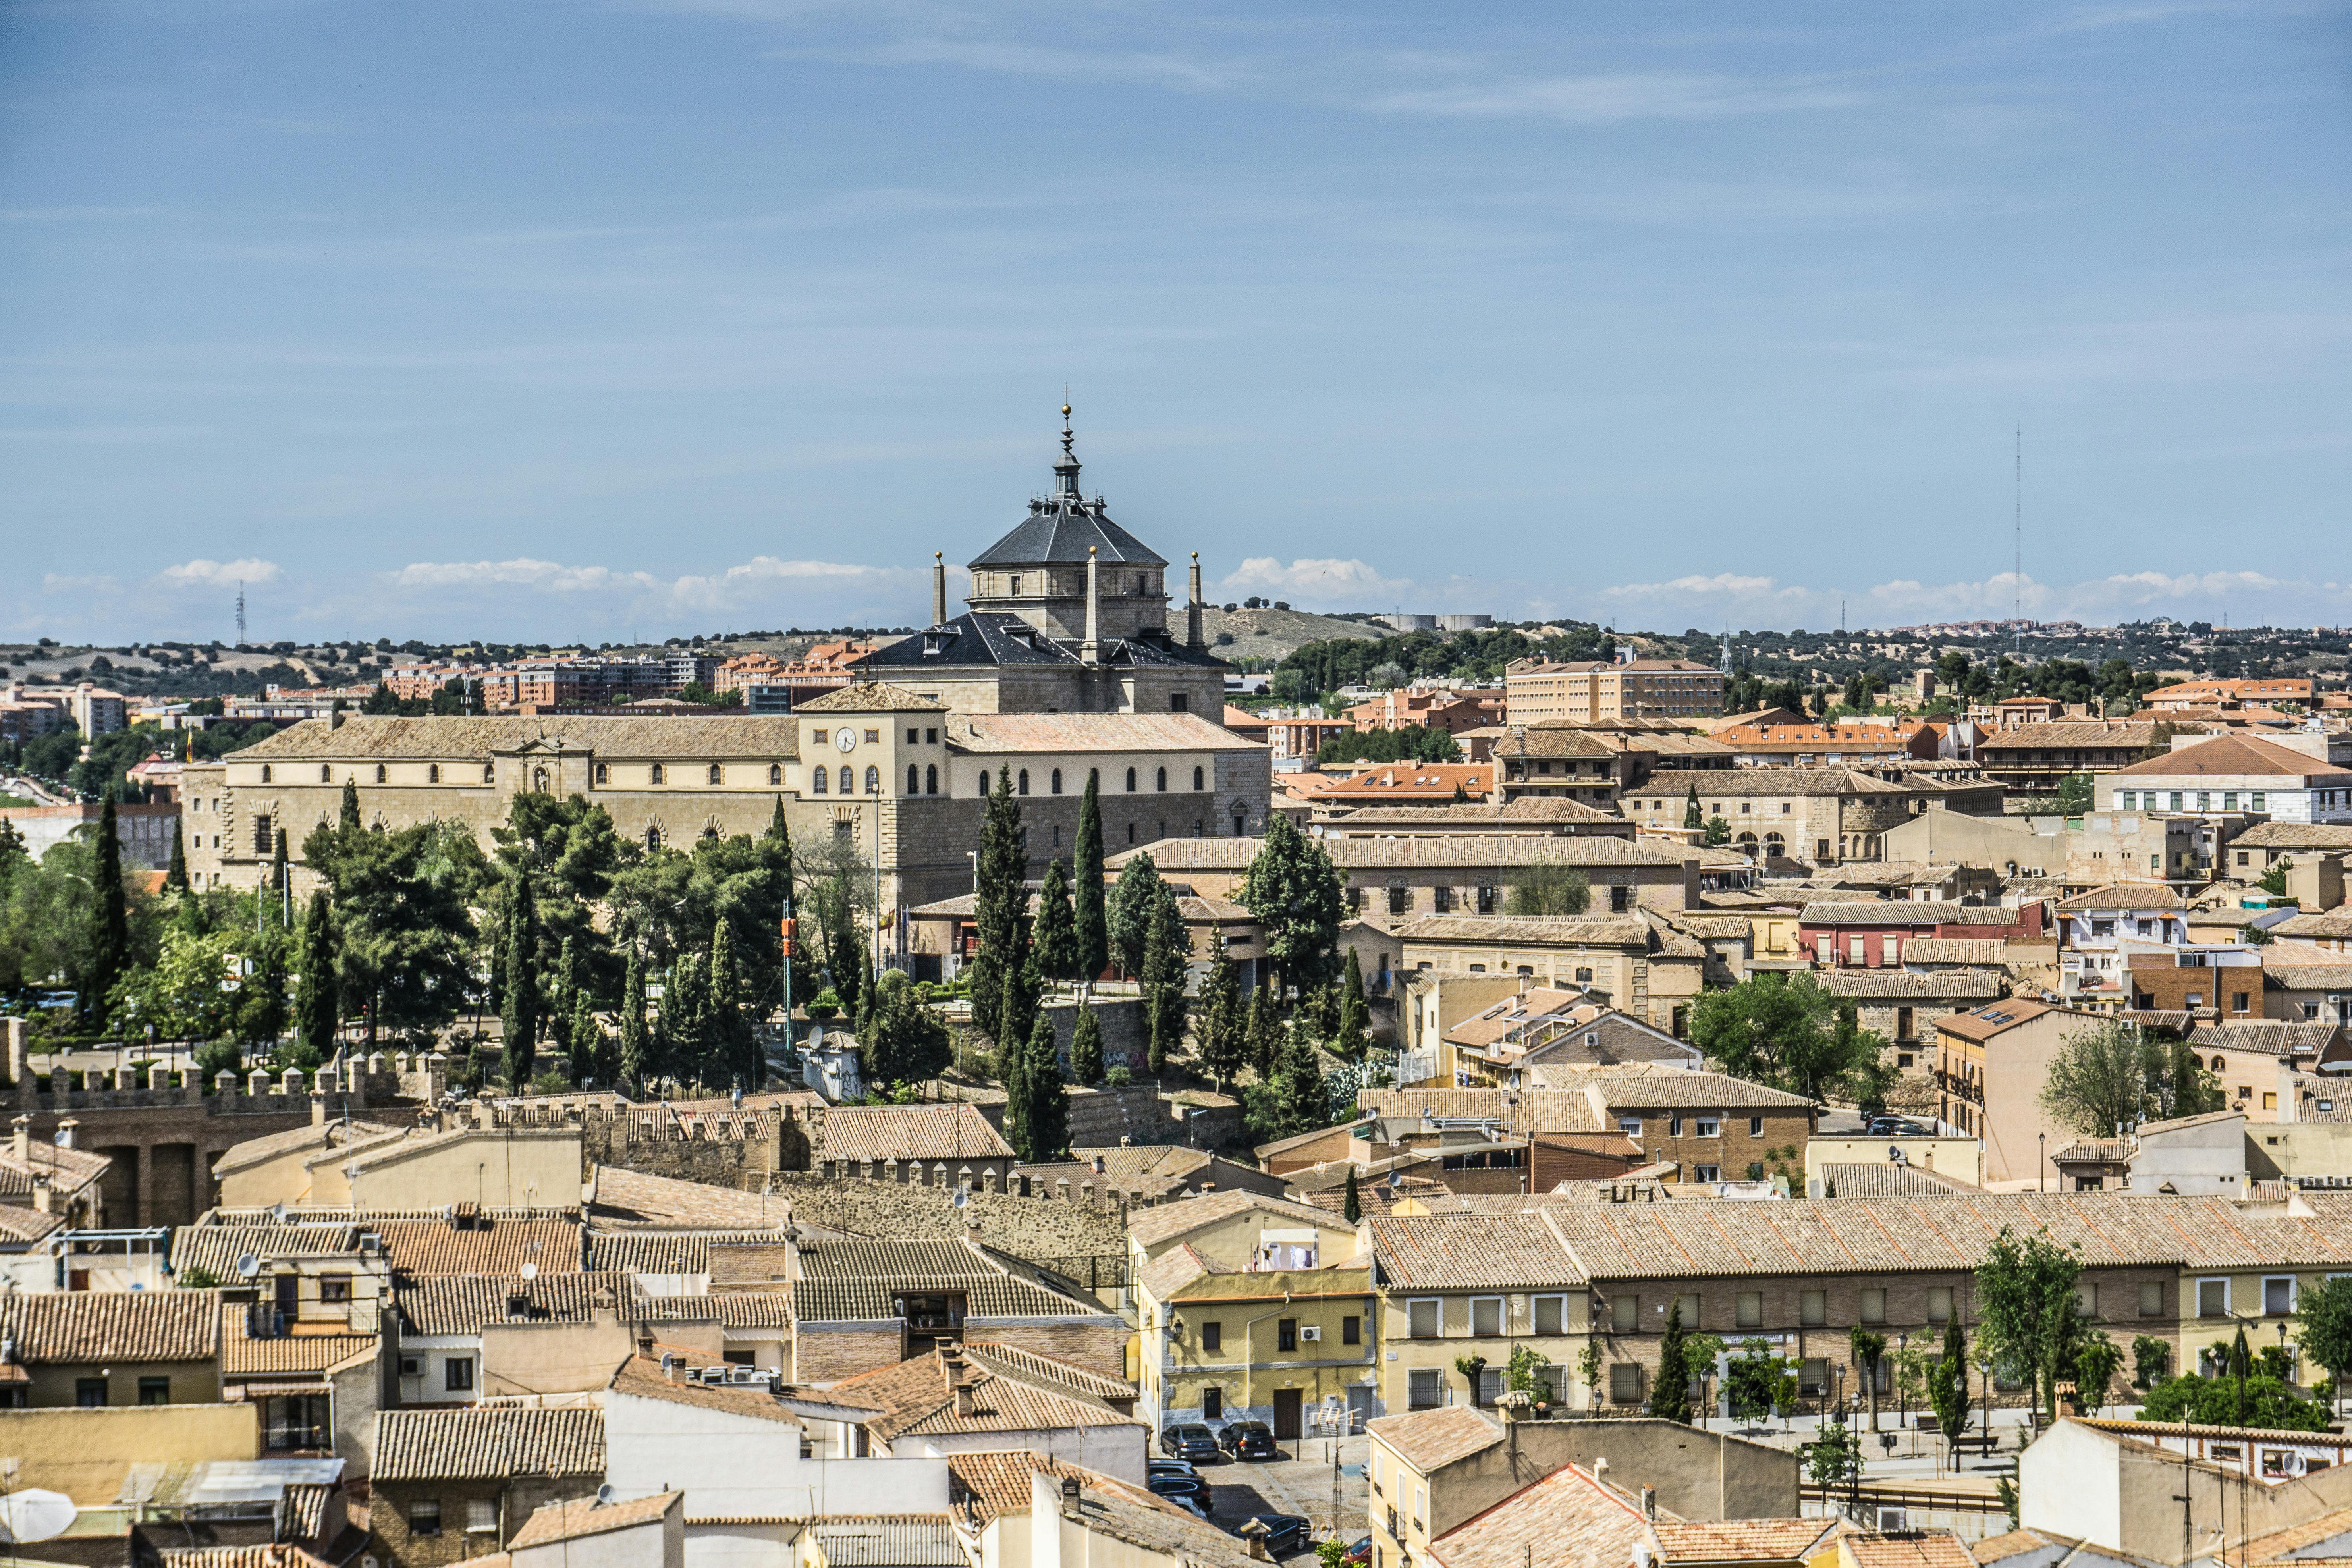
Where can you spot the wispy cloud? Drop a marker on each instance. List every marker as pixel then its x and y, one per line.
pixel 1615 99
pixel 1347 585
pixel 218 573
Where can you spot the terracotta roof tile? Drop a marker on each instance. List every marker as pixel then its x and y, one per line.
pixel 669 735
pixel 571 1518
pixel 917 1399
pixel 245 1355
pixel 1470 1251
pixel 929 1133
pixel 1165 1222
pixel 489 1443
pixel 108 1326
pixel 637 1197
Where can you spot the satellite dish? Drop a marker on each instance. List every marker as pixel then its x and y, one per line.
pixel 603 1496
pixel 529 1271
pixel 248 1267
pixel 956 1199
pixel 34 1515
pixel 279 1211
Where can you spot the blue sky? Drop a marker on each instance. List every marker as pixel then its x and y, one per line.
pixel 565 320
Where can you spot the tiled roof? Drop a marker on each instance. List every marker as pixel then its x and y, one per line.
pixel 1504 1251
pixel 282 1355
pixel 1908 1549
pixel 669 735
pixel 985 1295
pixel 2282 973
pixel 1568 1519
pixel 992 1484
pixel 1038 1368
pixel 2085 1151
pixel 216 1247
pixel 1884 1179
pixel 1891 912
pixel 108 1326
pixel 1430 1440
pixel 2232 756
pixel 1638 1088
pixel 274 1555
pixel 68 1170
pixel 644 1379
pixel 1106 732
pixel 2124 896
pixel 1522 1111
pixel 1173 1269
pixel 23 1226
pixel 493 1443
pixel 571 1518
pixel 1742 1539
pixel 2334 924
pixel 294 1140
pixel 636 1197
pixel 486 1245
pixel 1475 851
pixel 917 1399
pixel 1954 985
pixel 665 1251
pixel 2269 1037
pixel 871 697
pixel 1983 1023
pixel 928 1132
pixel 1955 950
pixel 1166 1222
pixel 2293 836
pixel 2069 735
pixel 1529 811
pixel 1736 781
pixel 1532 930
pixel 467 1303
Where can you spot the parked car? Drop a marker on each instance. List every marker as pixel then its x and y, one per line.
pixel 1285 1532
pixel 1197 1507
pixel 1892 1127
pixel 1192 1443
pixel 1249 1440
pixel 1168 1467
pixel 1181 1488
pixel 1358 1555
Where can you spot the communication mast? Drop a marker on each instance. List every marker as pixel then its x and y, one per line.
pixel 240 611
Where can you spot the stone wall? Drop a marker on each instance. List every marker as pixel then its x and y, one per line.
pixel 1043 1231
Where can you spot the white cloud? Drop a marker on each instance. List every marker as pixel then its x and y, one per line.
pixel 1350 584
pixel 1615 99
pixel 548 576
pixel 219 573
pixel 764 589
pixel 57 583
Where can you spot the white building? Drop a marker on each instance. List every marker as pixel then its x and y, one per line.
pixel 2271 778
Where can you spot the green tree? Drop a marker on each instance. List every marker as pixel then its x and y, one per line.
pixel 315 1001
pixel 1351 1205
pixel 2025 1298
pixel 1046 1100
pixel 1670 1395
pixel 1303 1099
pixel 1787 1032
pixel 2273 879
pixel 2097 1362
pixel 2323 1321
pixel 348 818
pixel 684 1034
pixel 1126 916
pixel 1753 1382
pixel 1056 931
pixel 1294 890
pixel 2151 1360
pixel 176 877
pixel 1719 833
pixel 109 918
pixel 1002 899
pixel 844 953
pixel 2074 794
pixel 734 1045
pixel 2257 1400
pixel 1947 1383
pixel 1263 1035
pixel 404 902
pixel 1868 1349
pixel 630 1069
pixel 519 1023
pixel 1092 943
pixel 1692 817
pixel 1353 1035
pixel 589 1056
pixel 2105 1077
pixel 1834 1459
pixel 1087 1048
pixel 1220 1021
pixel 1023 987
pixel 1547 889
pixel 1164 947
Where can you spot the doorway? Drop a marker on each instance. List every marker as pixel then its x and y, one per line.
pixel 1285 1414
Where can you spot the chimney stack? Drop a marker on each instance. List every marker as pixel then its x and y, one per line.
pixel 1090 651
pixel 20 1138
pixel 41 1192
pixel 66 1131
pixel 1650 1504
pixel 963 1400
pixel 939 589
pixel 317 1108
pixel 1192 611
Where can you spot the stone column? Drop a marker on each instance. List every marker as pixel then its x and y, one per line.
pixel 1090 651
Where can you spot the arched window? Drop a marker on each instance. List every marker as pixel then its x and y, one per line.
pixel 717 775
pixel 848 780
pixel 775 773
pixel 538 781
pixel 874 781
pixel 604 772
pixel 1057 781
pixel 930 778
pixel 379 772
pixel 2220 1065
pixel 914 779
pixel 265 772
pixel 820 776
pixel 1021 783
pixel 326 773
pixel 489 772
pixel 433 773
pixel 660 773
pixel 983 781
pixel 1161 781
pixel 1197 777
pixel 1130 781
pixel 1775 844
pixel 652 838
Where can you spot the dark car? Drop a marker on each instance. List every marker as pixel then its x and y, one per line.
pixel 1181 1488
pixel 1169 1468
pixel 1358 1555
pixel 1892 1126
pixel 1191 1443
pixel 1249 1440
pixel 1284 1531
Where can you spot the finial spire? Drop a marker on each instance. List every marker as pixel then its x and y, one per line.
pixel 1066 472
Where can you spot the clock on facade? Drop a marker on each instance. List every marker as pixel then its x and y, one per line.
pixel 846 740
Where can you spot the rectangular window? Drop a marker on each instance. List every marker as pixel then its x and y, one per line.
pixel 155 1391
pixel 334 1289
pixel 1625 1314
pixel 90 1393
pixel 1424 1390
pixel 2212 1298
pixel 1352 1331
pixel 2278 1296
pixel 1939 1304
pixel 1689 1306
pixel 1813 1309
pixel 1756 1127
pixel 1212 1404
pixel 1625 1383
pixel 1873 1305
pixel 1707 1173
pixel 425 1516
pixel 1710 1126
pixel 1487 1316
pixel 1752 1310
pixel 1490 1385
pixel 1286 1334
pixel 1551 1314
pixel 1674 1125
pixel 1813 1379
pixel 2259 801
pixel 1400 900
pixel 1441 899
pixel 1421 1318
pixel 1213 1335
pixel 458 1375
pixel 2151 1300
pixel 2086 1301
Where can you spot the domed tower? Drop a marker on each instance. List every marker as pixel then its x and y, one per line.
pixel 1039 571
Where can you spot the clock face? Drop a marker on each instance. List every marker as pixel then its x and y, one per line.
pixel 846 740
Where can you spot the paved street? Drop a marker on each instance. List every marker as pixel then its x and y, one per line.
pixel 1299 1483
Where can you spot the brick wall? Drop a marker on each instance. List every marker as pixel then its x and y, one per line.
pixel 1100 1349
pixel 1733 1151
pixel 828 1355
pixel 515 1502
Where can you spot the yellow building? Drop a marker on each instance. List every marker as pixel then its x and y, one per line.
pixel 1253 1309
pixel 1463 1288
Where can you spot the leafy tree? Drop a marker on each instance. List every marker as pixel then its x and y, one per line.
pixel 1947 1383
pixel 1410 743
pixel 1670 1395
pixel 261 1000
pixel 1546 888
pixel 906 1043
pixel 180 997
pixel 1719 833
pixel 2323 1314
pixel 109 918
pixel 519 1023
pixel 2105 1076
pixel 1869 1349
pixel 2025 1294
pixel 1303 1101
pixel 1001 881
pixel 404 918
pixel 1351 1205
pixel 1528 1373
pixel 2255 1400
pixel 2151 1360
pixel 1784 1031
pixel 1753 1382
pixel 845 953
pixel 1263 1035
pixel 314 1003
pixel 1087 1048
pixel 2273 880
pixel 1834 1459
pixel 1092 941
pixel 1056 933
pixel 2075 794
pixel 1127 917
pixel 1292 890
pixel 1219 1031
pixel 2097 1362
pixel 630 1067
pixel 684 1036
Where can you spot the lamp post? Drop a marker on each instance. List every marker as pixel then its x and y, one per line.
pixel 2041 1161
pixel 1901 1386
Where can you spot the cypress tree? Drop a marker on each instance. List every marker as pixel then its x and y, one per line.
pixel 1264 1035
pixel 587 1037
pixel 1670 1395
pixel 1219 1021
pixel 1692 817
pixel 280 878
pixel 110 917
pixel 1055 933
pixel 349 818
pixel 175 878
pixel 1086 1048
pixel 634 1044
pixel 520 1017
pixel 844 951
pixel 1351 1208
pixel 1017 1010
pixel 315 999
pixel 1048 1123
pixel 686 1019
pixel 1353 1035
pixel 1012 1069
pixel 566 1008
pixel 732 1042
pixel 1003 899
pixel 1093 942
pixel 1298 1087
pixel 1159 965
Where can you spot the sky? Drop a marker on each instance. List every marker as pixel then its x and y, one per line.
pixel 608 320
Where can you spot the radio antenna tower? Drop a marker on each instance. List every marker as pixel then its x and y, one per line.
pixel 2017 566
pixel 240 610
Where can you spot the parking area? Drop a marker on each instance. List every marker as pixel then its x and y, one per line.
pixel 1301 1482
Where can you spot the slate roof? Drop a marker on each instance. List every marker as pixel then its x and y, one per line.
pixel 1956 984
pixel 494 1443
pixel 56 1327
pixel 998 638
pixel 759 737
pixel 1056 533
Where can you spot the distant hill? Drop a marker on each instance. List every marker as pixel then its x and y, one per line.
pixel 1269 634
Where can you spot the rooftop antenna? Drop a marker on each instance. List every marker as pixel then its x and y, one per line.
pixel 2017 566
pixel 240 609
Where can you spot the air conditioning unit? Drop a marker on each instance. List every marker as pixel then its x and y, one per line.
pixel 411 1366
pixel 1894 1519
pixel 1311 1332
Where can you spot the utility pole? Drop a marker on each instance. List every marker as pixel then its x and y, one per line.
pixel 2017 565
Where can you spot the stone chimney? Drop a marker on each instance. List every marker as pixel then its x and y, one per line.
pixel 20 1140
pixel 939 589
pixel 1650 1504
pixel 1090 651
pixel 1192 611
pixel 41 1192
pixel 66 1131
pixel 317 1108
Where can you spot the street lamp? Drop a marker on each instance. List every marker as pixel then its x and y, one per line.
pixel 1902 1385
